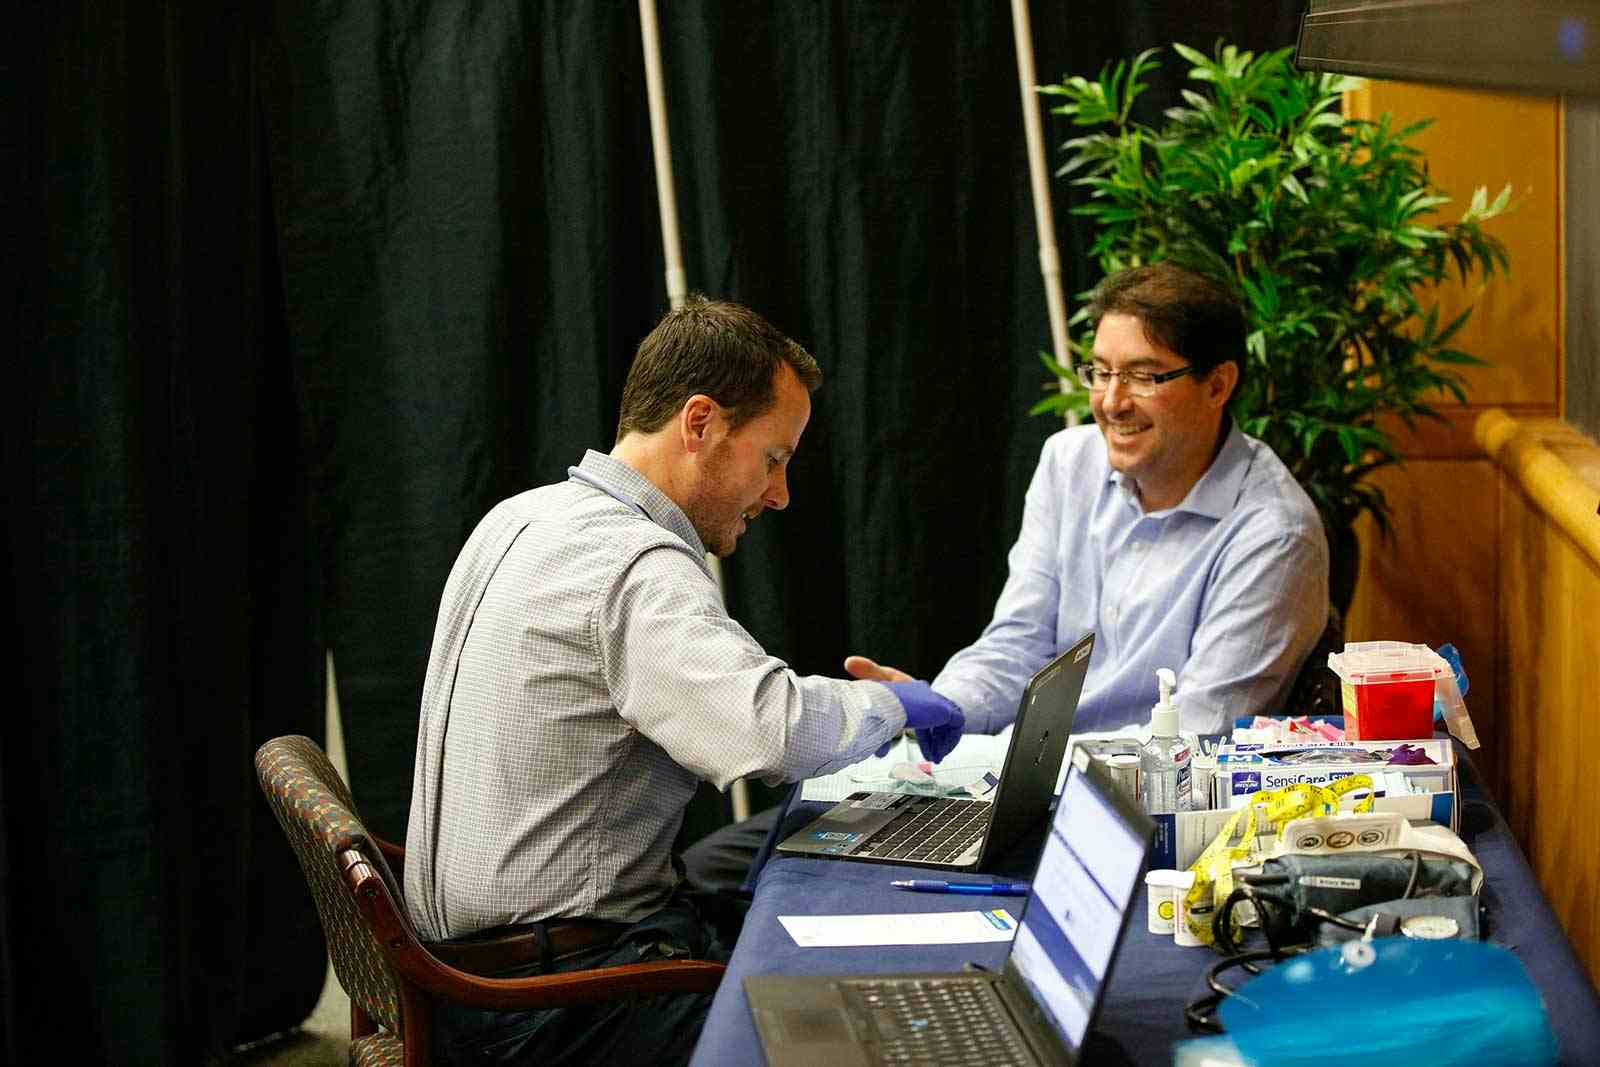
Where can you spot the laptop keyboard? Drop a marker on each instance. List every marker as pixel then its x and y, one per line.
pixel 935 832
pixel 935 1021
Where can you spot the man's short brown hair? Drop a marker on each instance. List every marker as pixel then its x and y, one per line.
pixel 1179 309
pixel 715 347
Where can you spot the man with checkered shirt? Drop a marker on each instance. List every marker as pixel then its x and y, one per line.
pixel 585 677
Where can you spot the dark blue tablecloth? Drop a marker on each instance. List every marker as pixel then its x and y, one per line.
pixel 1143 1013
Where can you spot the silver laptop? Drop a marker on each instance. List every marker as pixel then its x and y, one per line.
pixel 1037 1010
pixel 963 832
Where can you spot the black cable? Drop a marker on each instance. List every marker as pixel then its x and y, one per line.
pixel 1222 923
pixel 1416 869
pixel 1199 1013
pixel 1335 920
pixel 1268 922
pixel 1270 917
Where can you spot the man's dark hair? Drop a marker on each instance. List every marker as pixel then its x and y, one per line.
pixel 721 349
pixel 1178 309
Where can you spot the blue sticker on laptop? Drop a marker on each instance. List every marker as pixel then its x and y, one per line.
pixel 834 835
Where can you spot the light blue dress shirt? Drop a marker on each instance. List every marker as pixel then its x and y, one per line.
pixel 1229 589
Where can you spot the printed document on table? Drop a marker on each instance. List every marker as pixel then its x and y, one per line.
pixel 936 928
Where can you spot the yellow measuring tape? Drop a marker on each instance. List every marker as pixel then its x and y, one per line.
pixel 1236 843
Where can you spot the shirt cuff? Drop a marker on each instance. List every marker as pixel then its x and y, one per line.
pixel 970 700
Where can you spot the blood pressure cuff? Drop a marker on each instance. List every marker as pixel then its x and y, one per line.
pixel 1457 917
pixel 1344 882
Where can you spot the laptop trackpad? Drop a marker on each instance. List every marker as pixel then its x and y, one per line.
pixel 854 813
pixel 809 1025
pixel 808 1035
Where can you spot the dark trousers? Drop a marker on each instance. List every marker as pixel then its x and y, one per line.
pixel 719 863
pixel 659 1029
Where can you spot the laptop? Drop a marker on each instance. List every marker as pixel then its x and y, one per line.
pixel 1037 1010
pixel 959 832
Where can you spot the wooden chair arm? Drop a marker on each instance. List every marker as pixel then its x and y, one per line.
pixel 567 988
pixel 394 855
pixel 427 972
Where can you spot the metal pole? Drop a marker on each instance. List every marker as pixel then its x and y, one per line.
pixel 671 246
pixel 677 283
pixel 1049 256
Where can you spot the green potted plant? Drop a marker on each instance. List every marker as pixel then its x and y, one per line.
pixel 1324 226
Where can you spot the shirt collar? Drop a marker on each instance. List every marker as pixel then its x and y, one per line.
pixel 615 478
pixel 1215 494
pixel 1218 488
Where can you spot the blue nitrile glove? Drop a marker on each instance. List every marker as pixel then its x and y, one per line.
pixel 936 719
pixel 1451 656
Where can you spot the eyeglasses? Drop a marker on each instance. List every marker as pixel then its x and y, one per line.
pixel 1137 382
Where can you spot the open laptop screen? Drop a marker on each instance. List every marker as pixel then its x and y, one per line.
pixel 1087 876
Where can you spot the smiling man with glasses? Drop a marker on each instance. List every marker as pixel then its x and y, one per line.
pixel 1181 541
pixel 1163 415
pixel 1178 539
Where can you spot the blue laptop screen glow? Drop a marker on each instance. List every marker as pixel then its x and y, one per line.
pixel 1087 876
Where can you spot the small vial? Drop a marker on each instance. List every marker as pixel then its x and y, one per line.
pixel 1202 772
pixel 1181 932
pixel 1163 909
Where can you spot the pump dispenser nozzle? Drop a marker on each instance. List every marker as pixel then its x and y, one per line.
pixel 1164 716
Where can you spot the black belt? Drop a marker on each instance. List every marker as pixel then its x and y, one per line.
pixel 545 943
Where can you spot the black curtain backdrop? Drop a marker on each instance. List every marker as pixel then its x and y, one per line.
pixel 166 605
pixel 316 284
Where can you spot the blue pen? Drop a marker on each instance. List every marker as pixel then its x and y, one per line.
pixel 987 889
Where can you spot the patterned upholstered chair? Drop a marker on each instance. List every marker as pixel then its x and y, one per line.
pixel 393 979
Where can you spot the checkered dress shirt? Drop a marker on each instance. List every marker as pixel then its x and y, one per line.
pixel 584 677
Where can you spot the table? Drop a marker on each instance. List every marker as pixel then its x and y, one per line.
pixel 1142 1016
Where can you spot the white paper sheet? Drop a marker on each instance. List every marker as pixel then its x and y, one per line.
pixel 974 755
pixel 935 928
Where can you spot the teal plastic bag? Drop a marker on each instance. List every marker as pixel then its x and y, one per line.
pixel 1443 1003
pixel 1449 654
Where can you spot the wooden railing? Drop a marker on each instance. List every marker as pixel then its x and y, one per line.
pixel 1539 753
pixel 1552 482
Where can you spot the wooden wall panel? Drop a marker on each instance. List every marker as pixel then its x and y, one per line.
pixel 1550 596
pixel 1489 139
pixel 1581 255
pixel 1435 579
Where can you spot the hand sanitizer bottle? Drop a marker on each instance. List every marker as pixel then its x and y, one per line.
pixel 1164 759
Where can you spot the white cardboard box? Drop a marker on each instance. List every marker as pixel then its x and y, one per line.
pixel 1250 768
pixel 1181 837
